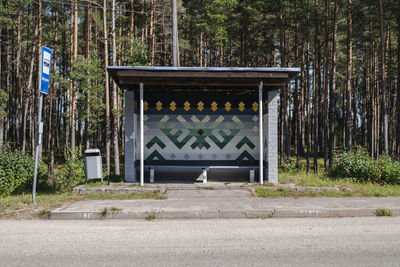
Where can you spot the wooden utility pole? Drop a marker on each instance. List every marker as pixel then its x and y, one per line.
pixel 175 40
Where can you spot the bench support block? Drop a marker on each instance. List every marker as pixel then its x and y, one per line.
pixel 252 175
pixel 204 176
pixel 151 175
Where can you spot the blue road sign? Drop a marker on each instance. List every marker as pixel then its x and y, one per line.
pixel 46 67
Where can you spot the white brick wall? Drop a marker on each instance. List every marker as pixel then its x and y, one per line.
pixel 130 134
pixel 271 133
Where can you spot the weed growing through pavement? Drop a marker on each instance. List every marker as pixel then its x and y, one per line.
pixel 267 216
pixel 151 217
pixel 383 212
pixel 205 187
pixel 115 209
pixel 104 212
pixel 44 214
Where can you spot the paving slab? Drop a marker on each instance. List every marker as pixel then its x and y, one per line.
pixel 197 204
pixel 206 193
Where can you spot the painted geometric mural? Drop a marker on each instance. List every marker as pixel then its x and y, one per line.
pixel 208 128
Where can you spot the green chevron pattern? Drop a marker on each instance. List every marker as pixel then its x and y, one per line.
pixel 199 131
pixel 245 141
pixel 154 141
pixel 246 157
pixel 155 156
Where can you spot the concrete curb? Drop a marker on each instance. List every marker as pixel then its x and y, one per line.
pixel 80 190
pixel 216 214
pixel 122 189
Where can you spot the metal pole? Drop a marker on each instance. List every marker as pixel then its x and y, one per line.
pixel 141 136
pixel 38 142
pixel 261 124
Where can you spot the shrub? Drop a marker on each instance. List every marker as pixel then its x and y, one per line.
pixel 360 166
pixel 290 167
pixel 72 175
pixel 16 172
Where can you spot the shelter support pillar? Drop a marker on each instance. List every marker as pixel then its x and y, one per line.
pixel 271 137
pixel 130 136
pixel 141 136
pixel 261 132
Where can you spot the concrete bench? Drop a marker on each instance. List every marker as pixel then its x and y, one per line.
pixel 205 169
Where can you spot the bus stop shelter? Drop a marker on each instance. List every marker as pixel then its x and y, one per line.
pixel 201 118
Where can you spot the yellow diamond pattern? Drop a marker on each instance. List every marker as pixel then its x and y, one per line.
pixel 159 106
pixel 186 106
pixel 228 106
pixel 255 106
pixel 172 106
pixel 241 106
pixel 214 106
pixel 200 106
pixel 145 105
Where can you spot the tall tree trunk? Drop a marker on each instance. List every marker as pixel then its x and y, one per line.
pixel 152 32
pixel 284 89
pixel 316 88
pixel 73 92
pixel 29 91
pixel 87 55
pixel 383 84
pixel 349 75
pixel 398 77
pixel 296 96
pixel 175 40
pixel 53 97
pixel 332 93
pixel 131 28
pixel 325 85
pixel 114 98
pixel 107 87
pixel 308 119
pixel 39 56
pixel 19 78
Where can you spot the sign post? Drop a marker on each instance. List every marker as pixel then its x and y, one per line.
pixel 44 89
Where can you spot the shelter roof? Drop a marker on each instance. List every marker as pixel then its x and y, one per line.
pixel 199 78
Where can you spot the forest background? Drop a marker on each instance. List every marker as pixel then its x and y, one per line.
pixel 347 95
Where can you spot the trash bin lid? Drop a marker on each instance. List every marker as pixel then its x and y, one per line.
pixel 93 150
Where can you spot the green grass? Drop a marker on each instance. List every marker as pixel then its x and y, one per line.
pixel 21 207
pixel 92 183
pixel 282 192
pixel 301 178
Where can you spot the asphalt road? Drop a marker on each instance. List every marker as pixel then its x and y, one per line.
pixel 368 241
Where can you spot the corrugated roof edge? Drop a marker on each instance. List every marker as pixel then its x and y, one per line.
pixel 212 69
